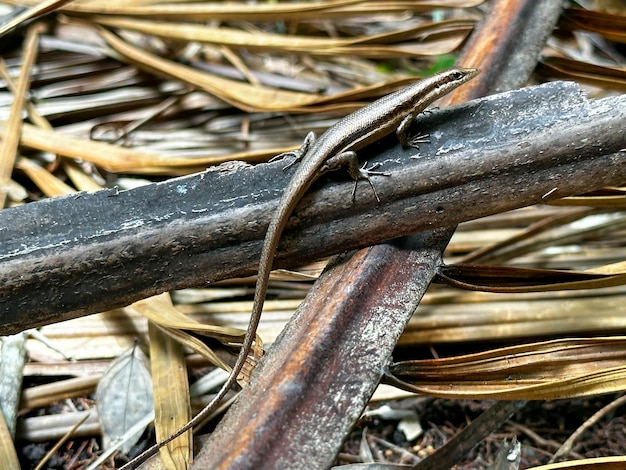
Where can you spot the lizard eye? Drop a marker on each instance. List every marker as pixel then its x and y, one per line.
pixel 457 75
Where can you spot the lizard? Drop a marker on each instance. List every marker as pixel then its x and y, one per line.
pixel 335 148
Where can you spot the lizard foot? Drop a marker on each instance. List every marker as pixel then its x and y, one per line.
pixel 419 139
pixel 364 174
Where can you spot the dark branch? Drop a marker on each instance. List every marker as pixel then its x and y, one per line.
pixel 90 252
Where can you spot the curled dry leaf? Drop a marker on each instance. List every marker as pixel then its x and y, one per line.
pixel 547 370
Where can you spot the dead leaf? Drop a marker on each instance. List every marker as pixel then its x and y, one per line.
pixel 124 397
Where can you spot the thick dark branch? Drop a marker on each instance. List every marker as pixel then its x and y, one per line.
pixel 89 252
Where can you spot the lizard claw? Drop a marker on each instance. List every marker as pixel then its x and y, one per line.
pixel 364 174
pixel 419 139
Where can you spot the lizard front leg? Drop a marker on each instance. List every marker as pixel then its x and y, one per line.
pixel 298 154
pixel 402 132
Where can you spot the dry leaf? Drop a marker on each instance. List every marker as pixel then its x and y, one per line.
pixel 240 11
pixel 11 136
pixel 507 279
pixel 538 371
pixel 8 456
pixel 583 72
pixel 601 463
pixel 171 398
pixel 124 397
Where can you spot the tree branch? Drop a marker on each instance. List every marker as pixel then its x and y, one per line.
pixel 89 252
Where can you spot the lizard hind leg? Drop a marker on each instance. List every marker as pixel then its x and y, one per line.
pixel 364 174
pixel 349 159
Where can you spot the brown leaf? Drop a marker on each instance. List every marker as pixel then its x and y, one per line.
pixel 548 370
